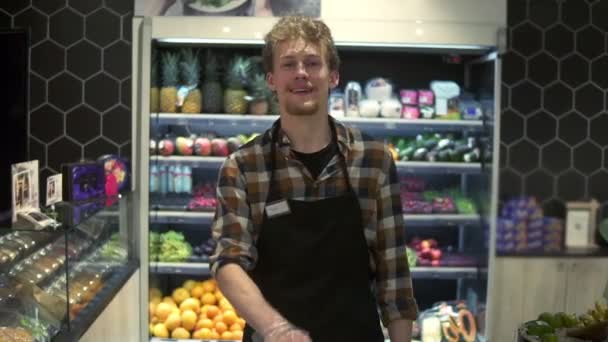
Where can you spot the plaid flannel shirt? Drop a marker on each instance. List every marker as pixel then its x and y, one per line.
pixel 243 186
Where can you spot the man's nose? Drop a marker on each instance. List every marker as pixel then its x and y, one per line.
pixel 301 70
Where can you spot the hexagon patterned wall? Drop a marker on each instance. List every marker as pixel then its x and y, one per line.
pixel 555 81
pixel 80 77
pixel 555 112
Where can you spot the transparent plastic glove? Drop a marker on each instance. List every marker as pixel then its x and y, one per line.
pixel 285 332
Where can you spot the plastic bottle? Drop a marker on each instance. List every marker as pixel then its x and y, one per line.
pixel 154 179
pixel 187 179
pixel 163 173
pixel 171 179
pixel 178 179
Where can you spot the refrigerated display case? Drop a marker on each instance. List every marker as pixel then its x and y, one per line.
pixel 56 281
pixel 449 202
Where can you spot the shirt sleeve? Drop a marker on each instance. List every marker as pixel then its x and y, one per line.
pixel 393 279
pixel 232 226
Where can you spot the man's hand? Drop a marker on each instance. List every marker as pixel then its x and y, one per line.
pixel 285 332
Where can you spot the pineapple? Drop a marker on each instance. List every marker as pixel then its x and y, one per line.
pixel 154 83
pixel 190 71
pixel 259 95
pixel 168 93
pixel 212 89
pixel 237 78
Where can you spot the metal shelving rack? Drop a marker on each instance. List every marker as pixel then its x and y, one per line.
pixel 166 32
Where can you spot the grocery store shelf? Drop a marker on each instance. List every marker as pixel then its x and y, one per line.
pixel 446 272
pixel 193 161
pixel 402 166
pixel 156 339
pixel 230 124
pixel 187 268
pixel 190 217
pixel 417 272
pixel 441 219
pixel 438 167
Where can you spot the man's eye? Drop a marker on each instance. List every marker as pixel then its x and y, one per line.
pixel 288 65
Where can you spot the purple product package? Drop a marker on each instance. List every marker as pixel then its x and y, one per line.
pixel 410 112
pixel 83 181
pixel 409 97
pixel 74 213
pixel 426 98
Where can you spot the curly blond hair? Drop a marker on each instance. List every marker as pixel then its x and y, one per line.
pixel 310 30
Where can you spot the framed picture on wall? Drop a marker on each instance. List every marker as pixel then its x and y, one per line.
pixel 24 190
pixel 581 224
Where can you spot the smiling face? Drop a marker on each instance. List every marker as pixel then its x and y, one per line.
pixel 301 77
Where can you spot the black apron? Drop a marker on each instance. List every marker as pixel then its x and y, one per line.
pixel 313 265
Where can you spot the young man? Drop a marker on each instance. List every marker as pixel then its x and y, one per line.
pixel 309 214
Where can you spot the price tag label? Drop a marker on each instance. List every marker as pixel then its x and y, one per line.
pixel 390 125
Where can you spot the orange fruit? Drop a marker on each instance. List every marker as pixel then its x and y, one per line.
pixel 189 284
pixel 226 335
pixel 180 333
pixel 218 294
pixel 202 334
pixel 173 321
pixel 163 310
pixel 224 304
pixel 236 327
pixel 190 304
pixel 229 317
pixel 209 286
pixel 218 318
pixel 154 319
pixel 221 327
pixel 214 335
pixel 151 329
pixel 180 294
pixel 197 291
pixel 169 300
pixel 208 299
pixel 205 323
pixel 242 322
pixel 237 335
pixel 212 311
pixel 189 320
pixel 160 330
pixel 151 309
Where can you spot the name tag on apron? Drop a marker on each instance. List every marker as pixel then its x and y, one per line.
pixel 278 208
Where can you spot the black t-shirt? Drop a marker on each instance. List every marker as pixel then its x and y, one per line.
pixel 315 162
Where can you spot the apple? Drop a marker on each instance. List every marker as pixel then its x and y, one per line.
pixel 425 253
pixel 202 146
pixel 185 146
pixel 219 147
pixel 435 263
pixel 233 144
pixel 153 150
pixel 436 254
pixel 166 147
pixel 425 244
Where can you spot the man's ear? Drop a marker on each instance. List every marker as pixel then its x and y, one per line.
pixel 270 81
pixel 334 79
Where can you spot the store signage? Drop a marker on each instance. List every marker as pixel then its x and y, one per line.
pixel 581 224
pixel 227 8
pixel 24 187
